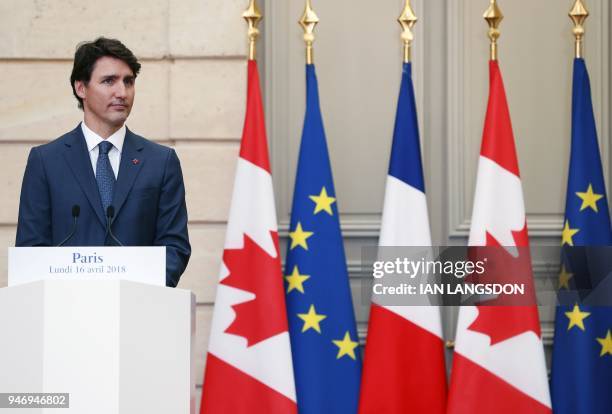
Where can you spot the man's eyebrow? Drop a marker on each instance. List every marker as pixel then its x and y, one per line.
pixel 115 77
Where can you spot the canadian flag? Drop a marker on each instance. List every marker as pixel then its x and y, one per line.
pixel 248 366
pixel 499 365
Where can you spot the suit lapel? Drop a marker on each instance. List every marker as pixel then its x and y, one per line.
pixel 77 157
pixel 129 167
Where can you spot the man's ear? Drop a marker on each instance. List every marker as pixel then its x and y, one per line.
pixel 79 87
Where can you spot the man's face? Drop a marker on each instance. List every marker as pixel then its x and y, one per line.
pixel 109 95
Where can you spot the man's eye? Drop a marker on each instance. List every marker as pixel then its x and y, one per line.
pixel 129 82
pixel 107 81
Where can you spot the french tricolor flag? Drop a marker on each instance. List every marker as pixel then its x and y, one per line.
pixel 404 356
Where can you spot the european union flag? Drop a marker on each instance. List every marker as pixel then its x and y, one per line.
pixel 582 354
pixel 324 344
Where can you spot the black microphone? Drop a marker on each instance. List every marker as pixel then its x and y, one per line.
pixel 76 211
pixel 110 214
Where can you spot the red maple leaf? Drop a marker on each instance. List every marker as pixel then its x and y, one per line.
pixel 253 270
pixel 506 317
pixel 502 323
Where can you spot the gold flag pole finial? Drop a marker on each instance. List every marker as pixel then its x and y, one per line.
pixel 407 20
pixel 308 22
pixel 578 14
pixel 493 16
pixel 253 16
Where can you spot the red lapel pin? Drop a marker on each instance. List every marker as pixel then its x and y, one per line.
pixel 135 161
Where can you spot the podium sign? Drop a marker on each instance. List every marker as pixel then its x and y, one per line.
pixel 136 264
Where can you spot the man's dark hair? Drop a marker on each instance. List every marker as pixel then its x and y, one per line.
pixel 88 53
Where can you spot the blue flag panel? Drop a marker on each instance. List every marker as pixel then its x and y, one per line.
pixel 582 355
pixel 405 163
pixel 324 342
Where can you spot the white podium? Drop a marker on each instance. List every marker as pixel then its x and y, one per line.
pixel 115 346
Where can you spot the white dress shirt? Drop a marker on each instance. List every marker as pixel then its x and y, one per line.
pixel 114 155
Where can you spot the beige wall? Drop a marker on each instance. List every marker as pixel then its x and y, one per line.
pixel 190 95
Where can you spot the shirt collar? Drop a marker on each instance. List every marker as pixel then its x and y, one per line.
pixel 92 139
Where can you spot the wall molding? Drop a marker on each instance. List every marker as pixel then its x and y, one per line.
pixel 459 53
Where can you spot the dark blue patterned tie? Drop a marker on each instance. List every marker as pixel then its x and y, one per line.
pixel 104 174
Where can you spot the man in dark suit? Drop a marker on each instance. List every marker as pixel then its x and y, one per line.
pixel 112 174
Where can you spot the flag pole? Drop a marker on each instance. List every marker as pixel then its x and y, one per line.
pixel 493 16
pixel 407 20
pixel 253 16
pixel 578 14
pixel 308 22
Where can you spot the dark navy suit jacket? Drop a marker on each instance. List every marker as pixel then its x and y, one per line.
pixel 149 199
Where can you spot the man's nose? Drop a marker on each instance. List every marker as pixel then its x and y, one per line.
pixel 120 90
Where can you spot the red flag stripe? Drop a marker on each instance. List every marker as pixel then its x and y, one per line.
pixel 481 392
pixel 254 147
pixel 497 138
pixel 229 390
pixel 403 369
